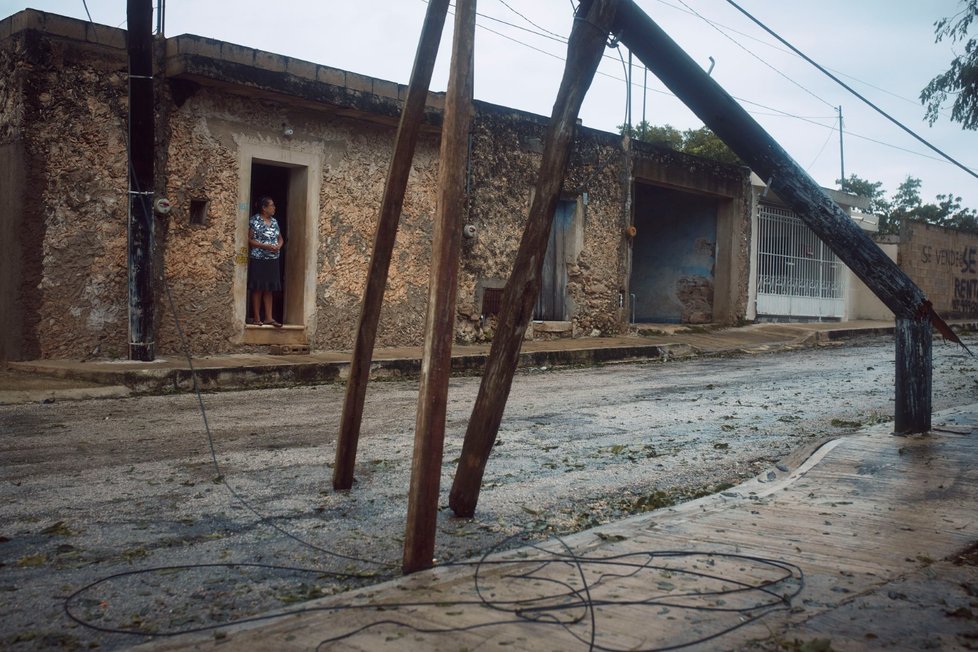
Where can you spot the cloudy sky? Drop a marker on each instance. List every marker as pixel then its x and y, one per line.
pixel 884 49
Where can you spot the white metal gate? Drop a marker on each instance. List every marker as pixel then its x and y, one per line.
pixel 797 275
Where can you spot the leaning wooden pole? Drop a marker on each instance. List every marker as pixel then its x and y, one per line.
pixel 585 47
pixel 380 260
pixel 429 437
pixel 791 183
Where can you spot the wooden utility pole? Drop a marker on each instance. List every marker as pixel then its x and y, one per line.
pixel 824 217
pixel 141 134
pixel 390 213
pixel 429 437
pixel 914 348
pixel 584 50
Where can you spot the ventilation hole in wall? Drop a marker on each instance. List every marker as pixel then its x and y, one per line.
pixel 492 299
pixel 198 211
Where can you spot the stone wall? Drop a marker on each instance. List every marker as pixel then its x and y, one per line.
pixel 72 292
pixel 506 154
pixel 73 286
pixel 205 133
pixel 944 264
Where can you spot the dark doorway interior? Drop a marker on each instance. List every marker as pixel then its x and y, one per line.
pixel 673 256
pixel 273 180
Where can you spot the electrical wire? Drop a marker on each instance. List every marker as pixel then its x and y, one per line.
pixel 821 149
pixel 773 110
pixel 735 42
pixel 563 591
pixel 90 21
pixel 786 51
pixel 217 468
pixel 870 104
pixel 542 29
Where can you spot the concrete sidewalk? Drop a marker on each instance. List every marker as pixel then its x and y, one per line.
pixel 48 380
pixel 867 542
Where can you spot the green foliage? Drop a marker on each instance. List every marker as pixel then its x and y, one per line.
pixel 960 81
pixel 698 142
pixel 907 204
pixel 666 135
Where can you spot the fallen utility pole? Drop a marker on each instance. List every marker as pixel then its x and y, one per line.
pixel 390 213
pixel 584 49
pixel 141 134
pixel 429 436
pixel 721 113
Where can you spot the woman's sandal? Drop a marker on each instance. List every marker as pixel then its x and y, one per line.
pixel 254 322
pixel 275 324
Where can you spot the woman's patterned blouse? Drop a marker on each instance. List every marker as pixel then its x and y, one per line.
pixel 265 234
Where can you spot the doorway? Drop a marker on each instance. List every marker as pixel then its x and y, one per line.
pixel 673 256
pixel 273 181
pixel 552 303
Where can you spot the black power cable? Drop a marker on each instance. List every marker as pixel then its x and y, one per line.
pixel 852 90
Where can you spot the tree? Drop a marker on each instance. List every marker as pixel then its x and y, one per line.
pixel 907 204
pixel 871 190
pixel 961 78
pixel 878 203
pixel 666 135
pixel 947 212
pixel 703 142
pixel 699 142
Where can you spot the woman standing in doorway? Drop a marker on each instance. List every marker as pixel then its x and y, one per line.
pixel 265 241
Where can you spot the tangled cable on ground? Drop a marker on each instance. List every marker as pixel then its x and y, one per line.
pixel 561 590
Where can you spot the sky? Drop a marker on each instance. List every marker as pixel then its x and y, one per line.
pixel 884 49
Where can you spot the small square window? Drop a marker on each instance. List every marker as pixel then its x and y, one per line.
pixel 198 211
pixel 492 301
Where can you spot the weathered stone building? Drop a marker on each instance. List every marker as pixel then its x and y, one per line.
pixel 641 233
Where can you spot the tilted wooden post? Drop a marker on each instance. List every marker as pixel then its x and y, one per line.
pixel 429 436
pixel 584 50
pixel 390 213
pixel 788 180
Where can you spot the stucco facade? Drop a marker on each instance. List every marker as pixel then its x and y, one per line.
pixel 234 123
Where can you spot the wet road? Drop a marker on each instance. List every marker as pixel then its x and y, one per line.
pixel 92 488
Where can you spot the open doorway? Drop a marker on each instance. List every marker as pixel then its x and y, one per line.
pixel 290 178
pixel 273 181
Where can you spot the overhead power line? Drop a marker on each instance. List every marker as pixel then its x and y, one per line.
pixel 739 45
pixel 852 90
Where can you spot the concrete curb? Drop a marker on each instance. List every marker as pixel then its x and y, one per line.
pixel 256 371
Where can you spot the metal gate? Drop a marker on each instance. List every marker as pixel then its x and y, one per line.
pixel 797 275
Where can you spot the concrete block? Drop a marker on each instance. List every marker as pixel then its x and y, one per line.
pixel 237 54
pixel 67 27
pixel 332 76
pixel 22 20
pixel 385 89
pixel 356 82
pixel 300 68
pixel 269 61
pixel 197 45
pixel 107 36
